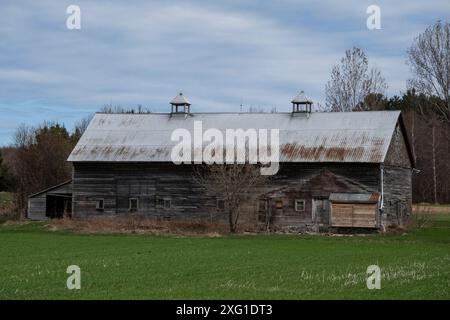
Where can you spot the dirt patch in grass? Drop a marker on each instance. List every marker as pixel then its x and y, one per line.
pixel 138 225
pixel 399 230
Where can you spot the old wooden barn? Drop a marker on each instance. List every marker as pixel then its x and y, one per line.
pixel 337 170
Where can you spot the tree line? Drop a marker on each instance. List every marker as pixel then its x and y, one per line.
pixel 37 160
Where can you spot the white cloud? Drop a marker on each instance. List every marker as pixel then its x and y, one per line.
pixel 219 54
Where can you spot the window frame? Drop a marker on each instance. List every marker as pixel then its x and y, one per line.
pixel 97 204
pixel 218 206
pixel 130 208
pixel 296 208
pixel 279 201
pixel 165 201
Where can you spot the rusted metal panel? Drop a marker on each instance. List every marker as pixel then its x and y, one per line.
pixel 318 137
pixel 355 197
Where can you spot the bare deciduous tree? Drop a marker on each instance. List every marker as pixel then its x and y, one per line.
pixel 429 60
pixel 80 127
pixel 109 108
pixel 352 81
pixel 232 183
pixel 436 152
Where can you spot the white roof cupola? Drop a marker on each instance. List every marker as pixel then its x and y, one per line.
pixel 180 104
pixel 301 103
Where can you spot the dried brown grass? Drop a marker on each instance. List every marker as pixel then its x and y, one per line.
pixel 420 219
pixel 8 212
pixel 397 230
pixel 134 224
pixel 432 209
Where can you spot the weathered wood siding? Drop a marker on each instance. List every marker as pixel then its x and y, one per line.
pixel 397 154
pixel 313 182
pixel 37 207
pixel 358 215
pixel 397 196
pixel 397 177
pixel 151 184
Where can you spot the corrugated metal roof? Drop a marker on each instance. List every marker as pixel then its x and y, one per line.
pixel 354 197
pixel 319 137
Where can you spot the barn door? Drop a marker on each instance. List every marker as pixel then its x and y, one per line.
pixel 320 210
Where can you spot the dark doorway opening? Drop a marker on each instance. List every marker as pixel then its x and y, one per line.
pixel 58 206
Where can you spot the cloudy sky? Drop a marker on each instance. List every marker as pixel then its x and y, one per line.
pixel 219 53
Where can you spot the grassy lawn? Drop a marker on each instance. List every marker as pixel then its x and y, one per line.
pixel 33 264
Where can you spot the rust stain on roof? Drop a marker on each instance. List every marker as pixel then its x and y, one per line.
pixel 293 151
pixel 375 196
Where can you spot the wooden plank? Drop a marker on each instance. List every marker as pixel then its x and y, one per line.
pixel 354 215
pixel 341 214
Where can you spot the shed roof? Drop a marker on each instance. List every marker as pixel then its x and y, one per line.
pixel 57 189
pixel 320 137
pixel 355 197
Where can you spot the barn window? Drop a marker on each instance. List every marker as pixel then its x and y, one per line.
pixel 167 203
pixel 100 205
pixel 279 204
pixel 299 205
pixel 220 204
pixel 134 204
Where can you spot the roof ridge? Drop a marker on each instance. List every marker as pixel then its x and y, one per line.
pixel 238 112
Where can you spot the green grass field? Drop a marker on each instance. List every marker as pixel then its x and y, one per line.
pixel 33 264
